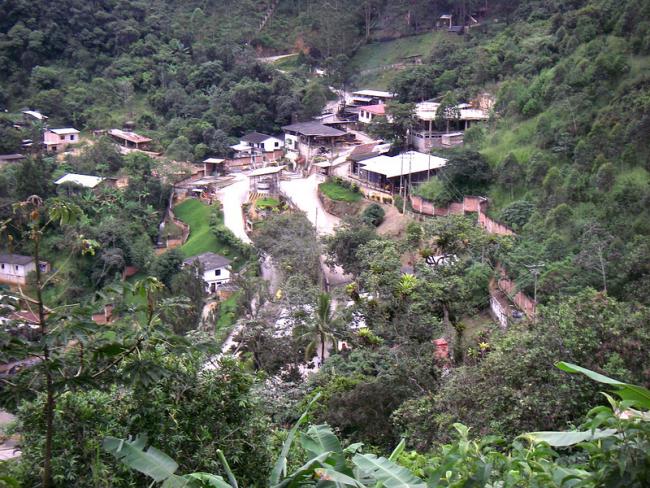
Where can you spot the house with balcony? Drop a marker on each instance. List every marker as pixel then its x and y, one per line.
pixel 427 134
pixel 57 140
pixel 305 140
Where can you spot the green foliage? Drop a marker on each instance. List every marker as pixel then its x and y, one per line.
pixel 373 215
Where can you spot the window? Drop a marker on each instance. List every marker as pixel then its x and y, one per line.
pixel 277 144
pixel 72 137
pixel 2 266
pixel 217 272
pixel 62 138
pixel 16 267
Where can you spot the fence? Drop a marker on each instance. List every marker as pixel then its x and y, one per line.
pixel 504 284
pixel 469 204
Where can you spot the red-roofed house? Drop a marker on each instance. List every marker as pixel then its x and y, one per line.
pixel 369 112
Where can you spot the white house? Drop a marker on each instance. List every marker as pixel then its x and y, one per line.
pixel 14 268
pixel 58 139
pixel 369 112
pixel 216 269
pixel 260 142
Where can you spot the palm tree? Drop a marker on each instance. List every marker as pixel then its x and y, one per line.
pixel 321 328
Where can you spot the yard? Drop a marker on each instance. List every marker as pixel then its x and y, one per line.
pixel 267 203
pixel 202 238
pixel 339 193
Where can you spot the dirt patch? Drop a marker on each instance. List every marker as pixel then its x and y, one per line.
pixel 394 224
pixel 340 209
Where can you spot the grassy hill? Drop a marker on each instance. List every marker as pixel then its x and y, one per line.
pixel 375 65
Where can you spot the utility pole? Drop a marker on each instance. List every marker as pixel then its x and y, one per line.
pixel 535 270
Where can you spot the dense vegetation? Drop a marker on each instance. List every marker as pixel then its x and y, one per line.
pixel 563 159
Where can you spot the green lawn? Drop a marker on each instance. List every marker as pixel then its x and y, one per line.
pixel 226 317
pixel 197 215
pixel 339 193
pixel 267 202
pixel 202 239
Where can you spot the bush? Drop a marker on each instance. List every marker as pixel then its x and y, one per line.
pixel 373 215
pixel 398 201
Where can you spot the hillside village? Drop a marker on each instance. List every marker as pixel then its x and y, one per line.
pixel 387 243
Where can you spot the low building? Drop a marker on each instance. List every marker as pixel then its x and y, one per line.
pixel 130 140
pixel 254 150
pixel 365 151
pixel 213 167
pixel 14 268
pixel 33 115
pixel 75 181
pixel 426 135
pixel 10 158
pixel 57 140
pixel 371 97
pixel 391 174
pixel 266 181
pixel 259 141
pixel 368 113
pixel 305 140
pixel 216 269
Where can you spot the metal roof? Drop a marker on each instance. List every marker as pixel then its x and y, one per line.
pixel 269 170
pixel 35 114
pixel 129 136
pixel 65 131
pixel 313 128
pixel 373 94
pixel 214 160
pixel 403 164
pixel 86 181
pixel 208 260
pixel 19 259
pixel 256 137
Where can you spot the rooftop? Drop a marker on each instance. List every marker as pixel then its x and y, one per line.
pixel 373 94
pixel 313 128
pixel 86 181
pixel 35 114
pixel 129 136
pixel 65 131
pixel 15 259
pixel 403 164
pixel 256 137
pixel 208 260
pixel 11 157
pixel 379 109
pixel 214 160
pixel 269 170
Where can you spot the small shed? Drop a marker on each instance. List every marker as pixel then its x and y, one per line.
pixel 266 181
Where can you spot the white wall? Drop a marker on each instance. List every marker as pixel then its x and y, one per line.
pixel 15 273
pixel 210 277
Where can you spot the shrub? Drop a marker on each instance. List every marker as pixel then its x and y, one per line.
pixel 373 215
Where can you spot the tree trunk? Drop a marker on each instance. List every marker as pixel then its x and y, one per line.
pixel 48 411
pixel 322 349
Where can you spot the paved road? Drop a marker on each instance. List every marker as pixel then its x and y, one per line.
pixel 304 193
pixel 232 197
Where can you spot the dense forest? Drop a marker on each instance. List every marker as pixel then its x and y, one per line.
pixel 564 161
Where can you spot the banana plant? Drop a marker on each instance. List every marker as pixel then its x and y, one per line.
pixel 327 464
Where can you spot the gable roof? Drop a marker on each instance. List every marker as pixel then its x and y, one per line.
pixel 313 128
pixel 256 137
pixel 86 181
pixel 35 114
pixel 15 259
pixel 208 260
